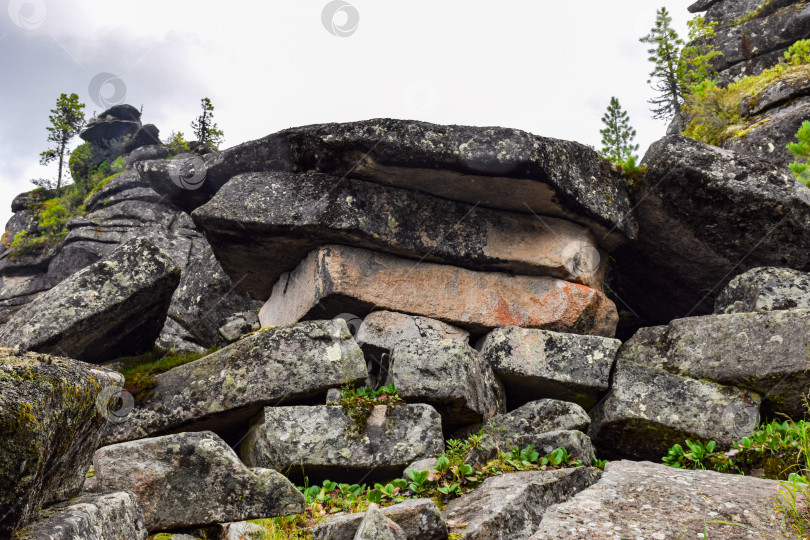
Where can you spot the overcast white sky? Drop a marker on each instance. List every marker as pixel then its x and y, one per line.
pixel 545 67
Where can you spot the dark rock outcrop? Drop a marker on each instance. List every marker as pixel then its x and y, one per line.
pixel 765 289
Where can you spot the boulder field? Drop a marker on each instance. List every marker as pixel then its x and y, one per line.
pixel 349 302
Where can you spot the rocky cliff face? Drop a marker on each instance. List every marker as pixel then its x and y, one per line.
pixel 389 296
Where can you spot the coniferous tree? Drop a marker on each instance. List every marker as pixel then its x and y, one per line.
pixel 67 120
pixel 618 136
pixel 665 78
pixel 801 151
pixel 205 129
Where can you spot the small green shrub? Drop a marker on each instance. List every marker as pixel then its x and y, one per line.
pixel 798 53
pixel 359 402
pixel 801 151
pixel 177 144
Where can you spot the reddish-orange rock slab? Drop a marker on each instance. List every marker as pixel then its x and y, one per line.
pixel 339 279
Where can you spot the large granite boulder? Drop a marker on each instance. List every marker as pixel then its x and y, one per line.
pixel 765 289
pixel 648 500
pixel 326 442
pixel 535 364
pixel 108 516
pixel 765 352
pixel 339 279
pixel 115 307
pixel 683 258
pixel 418 518
pixel 547 424
pixel 261 225
pixel 450 376
pixel 499 168
pixel 511 506
pixel 52 414
pixel 193 479
pixel 648 410
pixel 223 390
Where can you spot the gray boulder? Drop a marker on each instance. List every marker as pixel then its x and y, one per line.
pixel 765 352
pixel 649 500
pixel 418 518
pixel 534 364
pixel 547 424
pixel 326 442
pixel 52 414
pixel 683 259
pixel 510 506
pixel 224 389
pixel 649 410
pixel 148 152
pixel 261 225
pixel 450 376
pixel 765 289
pixel 115 307
pixel 193 479
pixel 115 515
pixel 498 168
pixel 375 526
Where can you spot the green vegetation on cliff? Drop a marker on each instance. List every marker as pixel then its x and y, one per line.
pixel 801 151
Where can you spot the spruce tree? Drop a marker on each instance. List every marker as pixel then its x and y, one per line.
pixel 801 151
pixel 67 120
pixel 666 76
pixel 205 129
pixel 618 135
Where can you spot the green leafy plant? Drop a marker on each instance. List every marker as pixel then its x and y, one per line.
pixel 177 144
pixel 799 53
pixel 801 151
pixel 359 402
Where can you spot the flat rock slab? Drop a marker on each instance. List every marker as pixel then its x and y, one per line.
pixel 418 518
pixel 649 410
pixel 764 352
pixel 649 500
pixel 261 225
pixel 495 167
pixel 227 387
pixel 546 423
pixel 193 479
pixel 534 364
pixel 450 376
pixel 339 279
pixel 510 506
pixel 326 442
pixel 765 289
pixel 381 330
pixel 52 416
pixel 109 516
pixel 683 258
pixel 115 307
pixel 375 526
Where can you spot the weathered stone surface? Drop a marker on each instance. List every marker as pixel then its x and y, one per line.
pixel 193 479
pixel 702 5
pixel 546 423
pixel 751 66
pixel 498 168
pixel 765 289
pixel 339 279
pixel 112 308
pixel 145 153
pixel 765 352
pixel 261 225
pixel 418 518
pixel 375 526
pixel 649 500
pixel 241 530
pixel 769 133
pixel 227 387
pixel 381 330
pixel 683 258
pixel 510 506
pixel 727 13
pixel 326 442
pixel 450 376
pixel 778 93
pixel 239 324
pixel 124 187
pixel 534 364
pixel 52 412
pixel 91 517
pixel 648 410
